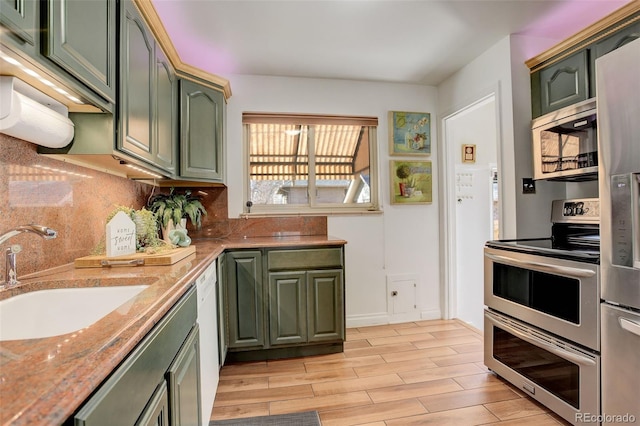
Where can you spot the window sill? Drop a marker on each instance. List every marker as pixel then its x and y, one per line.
pixel 313 213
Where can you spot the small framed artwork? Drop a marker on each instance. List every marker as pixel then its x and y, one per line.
pixel 409 133
pixel 411 182
pixel 468 153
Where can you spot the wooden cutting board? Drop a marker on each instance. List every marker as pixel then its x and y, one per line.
pixel 168 257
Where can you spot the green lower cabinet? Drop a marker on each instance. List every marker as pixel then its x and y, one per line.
pixel 222 309
pixel 137 393
pixel 157 412
pixel 287 308
pixel 325 305
pixel 184 382
pixel 305 306
pixel 298 311
pixel 245 304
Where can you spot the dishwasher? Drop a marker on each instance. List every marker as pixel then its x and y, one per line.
pixel 209 368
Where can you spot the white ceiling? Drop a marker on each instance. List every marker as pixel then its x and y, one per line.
pixel 420 41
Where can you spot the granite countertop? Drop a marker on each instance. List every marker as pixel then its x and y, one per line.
pixel 44 381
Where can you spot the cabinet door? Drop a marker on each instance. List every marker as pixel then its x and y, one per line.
pixel 201 135
pixel 137 88
pixel 81 40
pixel 246 319
pixel 287 308
pixel 222 310
pixel 564 83
pixel 325 305
pixel 166 137
pixel 609 44
pixel 125 395
pixel 157 412
pixel 19 16
pixel 184 382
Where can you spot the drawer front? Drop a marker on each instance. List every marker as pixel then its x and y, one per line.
pixel 305 258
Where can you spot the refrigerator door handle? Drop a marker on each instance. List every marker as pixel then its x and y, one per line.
pixel 635 212
pixel 630 326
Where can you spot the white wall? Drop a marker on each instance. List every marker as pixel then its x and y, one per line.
pixel 501 69
pixel 402 240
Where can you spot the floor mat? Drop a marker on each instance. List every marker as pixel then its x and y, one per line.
pixel 307 418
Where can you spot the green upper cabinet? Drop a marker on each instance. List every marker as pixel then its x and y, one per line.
pixel 562 84
pixel 565 74
pixel 611 43
pixel 20 17
pixel 70 43
pixel 166 136
pixel 148 95
pixel 202 112
pixel 81 39
pixel 137 84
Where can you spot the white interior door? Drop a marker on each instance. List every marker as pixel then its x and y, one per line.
pixel 473 229
pixel 470 204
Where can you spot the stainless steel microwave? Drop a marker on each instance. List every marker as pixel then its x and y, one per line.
pixel 565 143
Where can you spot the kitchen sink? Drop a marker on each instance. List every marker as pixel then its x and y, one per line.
pixel 52 312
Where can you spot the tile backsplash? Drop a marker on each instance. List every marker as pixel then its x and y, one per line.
pixel 75 201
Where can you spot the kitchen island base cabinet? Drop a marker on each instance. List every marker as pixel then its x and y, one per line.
pixel 137 391
pixel 300 310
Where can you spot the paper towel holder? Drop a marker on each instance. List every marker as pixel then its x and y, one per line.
pixel 30 115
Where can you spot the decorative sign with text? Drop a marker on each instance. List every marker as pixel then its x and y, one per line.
pixel 121 235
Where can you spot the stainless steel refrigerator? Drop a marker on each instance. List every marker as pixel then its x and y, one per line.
pixel 618 98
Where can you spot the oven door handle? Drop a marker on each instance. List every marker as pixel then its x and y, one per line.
pixel 542 344
pixel 630 326
pixel 564 270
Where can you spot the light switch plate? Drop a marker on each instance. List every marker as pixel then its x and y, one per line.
pixel 528 186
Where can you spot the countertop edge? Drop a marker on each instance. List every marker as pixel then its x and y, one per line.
pixel 62 398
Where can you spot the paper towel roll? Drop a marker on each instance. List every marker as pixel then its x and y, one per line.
pixel 26 119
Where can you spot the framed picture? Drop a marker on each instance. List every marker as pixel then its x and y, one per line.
pixel 411 182
pixel 409 133
pixel 468 153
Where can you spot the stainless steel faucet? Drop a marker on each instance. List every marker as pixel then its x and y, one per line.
pixel 11 274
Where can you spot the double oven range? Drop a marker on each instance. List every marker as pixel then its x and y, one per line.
pixel 542 322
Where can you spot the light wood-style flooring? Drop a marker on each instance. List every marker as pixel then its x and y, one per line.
pixel 416 373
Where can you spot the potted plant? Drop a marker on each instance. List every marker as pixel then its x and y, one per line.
pixel 173 209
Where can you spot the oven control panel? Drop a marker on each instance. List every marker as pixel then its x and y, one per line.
pixel 584 210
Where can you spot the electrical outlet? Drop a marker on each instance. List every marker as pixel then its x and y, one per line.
pixel 528 186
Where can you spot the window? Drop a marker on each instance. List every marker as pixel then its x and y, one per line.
pixel 310 163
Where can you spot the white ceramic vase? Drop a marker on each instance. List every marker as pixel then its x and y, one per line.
pixel 170 226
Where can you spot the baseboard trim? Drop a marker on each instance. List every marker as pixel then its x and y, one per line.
pixel 383 318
